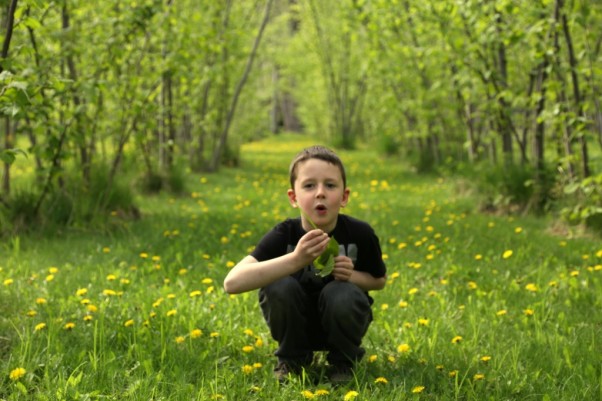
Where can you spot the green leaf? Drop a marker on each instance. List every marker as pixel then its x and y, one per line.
pixel 324 263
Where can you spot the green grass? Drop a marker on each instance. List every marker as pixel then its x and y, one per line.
pixel 526 327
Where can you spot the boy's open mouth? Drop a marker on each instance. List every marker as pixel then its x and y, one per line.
pixel 321 209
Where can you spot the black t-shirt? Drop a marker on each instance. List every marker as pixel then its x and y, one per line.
pixel 356 239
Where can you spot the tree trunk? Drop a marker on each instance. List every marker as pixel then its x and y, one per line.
pixel 230 116
pixel 9 24
pixel 576 92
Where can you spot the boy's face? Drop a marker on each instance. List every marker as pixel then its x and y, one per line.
pixel 319 192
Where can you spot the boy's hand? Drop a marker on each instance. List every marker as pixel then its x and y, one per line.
pixel 311 245
pixel 343 268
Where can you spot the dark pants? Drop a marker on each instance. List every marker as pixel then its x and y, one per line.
pixel 334 318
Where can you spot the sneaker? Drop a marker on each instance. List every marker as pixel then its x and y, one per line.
pixel 340 374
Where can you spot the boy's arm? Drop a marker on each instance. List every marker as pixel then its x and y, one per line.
pixel 366 281
pixel 250 274
pixel 344 271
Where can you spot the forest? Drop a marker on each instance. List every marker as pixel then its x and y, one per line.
pixel 95 96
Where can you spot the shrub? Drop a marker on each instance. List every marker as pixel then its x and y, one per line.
pixel 586 196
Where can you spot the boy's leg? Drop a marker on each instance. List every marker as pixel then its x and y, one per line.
pixel 286 309
pixel 345 314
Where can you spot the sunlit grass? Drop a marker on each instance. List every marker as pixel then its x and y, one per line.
pixel 476 307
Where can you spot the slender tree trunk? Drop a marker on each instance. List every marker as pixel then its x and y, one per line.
pixel 224 135
pixel 9 24
pixel 576 92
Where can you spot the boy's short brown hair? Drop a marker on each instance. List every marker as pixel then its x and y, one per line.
pixel 316 152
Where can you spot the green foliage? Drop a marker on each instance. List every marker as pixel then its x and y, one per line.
pixel 513 187
pixel 587 198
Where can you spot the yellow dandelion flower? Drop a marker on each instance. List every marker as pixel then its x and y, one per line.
pixel 143 255
pixel 402 245
pixel 129 323
pixel 472 285
pixel 528 312
pixel 381 380
pixel 423 322
pixel 85 301
pixel 372 358
pixel 111 277
pixel 418 389
pixel 531 287
pixel 106 249
pixel 453 373
pixel 171 296
pixel 50 277
pixel 195 293
pixel 69 326
pixel 391 359
pixel 321 391
pixel 81 292
pixel 224 240
pixel 507 254
pixel 53 270
pixel 456 339
pixel 247 348
pixel 384 307
pixel 501 312
pixel 109 293
pixel 478 376
pixel 247 369
pixel 478 256
pixel 92 308
pixel 40 326
pixel 41 301
pixel 403 304
pixel 196 333
pixel 553 283
pixel 88 318
pixel 485 358
pixel 248 332
pixel 214 334
pixel 156 258
pixel 518 230
pixel 258 342
pixel 351 395
pixel 574 273
pixel 180 339
pixel 171 312
pixel 17 373
pixel 230 264
pixel 439 367
pixel 403 348
pixel 413 291
pixel 207 281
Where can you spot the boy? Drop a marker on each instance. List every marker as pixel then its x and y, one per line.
pixel 306 312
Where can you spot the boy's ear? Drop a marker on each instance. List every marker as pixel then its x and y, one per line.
pixel 345 198
pixel 292 198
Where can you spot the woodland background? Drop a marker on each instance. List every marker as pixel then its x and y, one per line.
pixel 95 96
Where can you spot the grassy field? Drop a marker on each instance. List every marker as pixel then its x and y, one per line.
pixel 477 307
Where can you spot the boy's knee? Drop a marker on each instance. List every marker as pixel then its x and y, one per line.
pixel 281 291
pixel 340 296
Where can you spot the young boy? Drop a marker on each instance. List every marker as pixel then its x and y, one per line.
pixel 304 311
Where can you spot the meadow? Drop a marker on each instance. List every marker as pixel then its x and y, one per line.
pixel 477 306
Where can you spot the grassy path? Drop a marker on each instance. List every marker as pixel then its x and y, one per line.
pixel 476 306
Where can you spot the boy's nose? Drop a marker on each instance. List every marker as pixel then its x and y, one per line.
pixel 320 191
